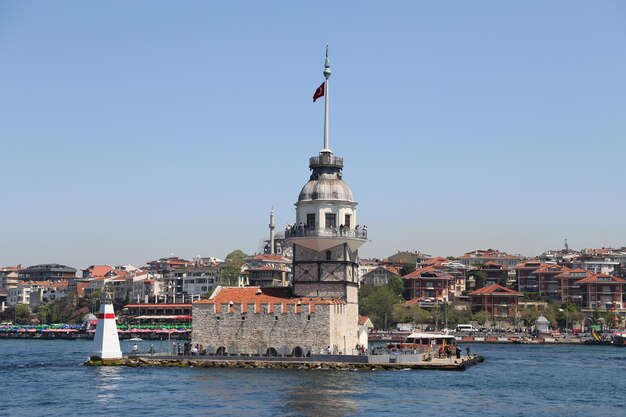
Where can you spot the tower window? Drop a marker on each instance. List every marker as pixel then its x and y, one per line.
pixel 347 222
pixel 330 220
pixel 328 255
pixel 310 220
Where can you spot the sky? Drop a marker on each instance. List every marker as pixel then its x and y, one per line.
pixel 135 130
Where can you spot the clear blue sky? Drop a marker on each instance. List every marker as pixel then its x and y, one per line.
pixel 133 130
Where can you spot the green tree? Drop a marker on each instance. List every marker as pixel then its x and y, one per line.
pixel 22 314
pixel 396 284
pixel 378 303
pixel 480 317
pixel 43 313
pixel 407 269
pixel 529 315
pixel 480 277
pixel 8 315
pixel 420 315
pixel 231 270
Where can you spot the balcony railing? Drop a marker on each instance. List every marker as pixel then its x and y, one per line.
pixel 327 160
pixel 297 231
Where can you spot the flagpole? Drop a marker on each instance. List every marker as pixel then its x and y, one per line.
pixel 326 76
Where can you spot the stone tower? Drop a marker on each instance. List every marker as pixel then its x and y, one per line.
pixel 325 236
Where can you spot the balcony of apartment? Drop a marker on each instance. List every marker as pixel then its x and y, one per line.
pixel 323 238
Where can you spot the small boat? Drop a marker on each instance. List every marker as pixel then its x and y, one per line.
pixel 619 340
pixel 135 339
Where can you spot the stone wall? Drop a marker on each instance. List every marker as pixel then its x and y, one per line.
pixel 270 326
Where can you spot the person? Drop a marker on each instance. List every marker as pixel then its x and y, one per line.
pixel 467 349
pixel 173 348
pixel 135 348
pixel 458 352
pixel 440 352
pixel 151 349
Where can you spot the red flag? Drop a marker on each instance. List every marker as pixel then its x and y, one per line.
pixel 319 92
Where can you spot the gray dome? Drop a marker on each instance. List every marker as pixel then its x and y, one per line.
pixel 327 187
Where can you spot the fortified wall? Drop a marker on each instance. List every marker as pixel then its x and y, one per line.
pixel 270 321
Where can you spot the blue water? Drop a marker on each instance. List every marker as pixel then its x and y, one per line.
pixel 39 377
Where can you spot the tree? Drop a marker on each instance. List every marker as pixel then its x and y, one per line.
pixel 378 304
pixel 231 270
pixel 22 314
pixel 396 284
pixel 479 278
pixel 480 317
pixel 529 315
pixel 407 269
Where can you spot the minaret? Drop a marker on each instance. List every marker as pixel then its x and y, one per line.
pixel 272 227
pixel 325 236
pixel 106 341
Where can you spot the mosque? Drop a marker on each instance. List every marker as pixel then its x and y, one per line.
pixel 319 312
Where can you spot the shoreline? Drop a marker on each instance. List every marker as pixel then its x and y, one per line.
pixel 344 363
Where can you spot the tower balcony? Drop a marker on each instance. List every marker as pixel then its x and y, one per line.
pixel 326 160
pixel 322 238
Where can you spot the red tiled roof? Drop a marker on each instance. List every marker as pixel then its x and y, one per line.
pixel 551 268
pixel 495 289
pixel 418 272
pixel 363 320
pixel 568 273
pixel 594 279
pixel 156 305
pixel 267 257
pixel 525 264
pixel 99 270
pixel 258 295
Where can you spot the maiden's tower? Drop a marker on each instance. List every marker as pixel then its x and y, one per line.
pixel 320 309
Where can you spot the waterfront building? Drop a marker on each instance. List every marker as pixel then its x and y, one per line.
pixel 500 303
pixel 601 291
pixel 526 280
pixel 47 272
pixel 266 270
pixel 569 284
pixel 481 257
pixel 146 288
pixel 33 293
pixel 200 278
pixel 379 275
pixel 429 285
pixel 97 271
pixel 409 257
pixel 9 278
pixel 171 272
pixel 320 309
pixel 548 285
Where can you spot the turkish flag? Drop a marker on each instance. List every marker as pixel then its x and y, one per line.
pixel 319 92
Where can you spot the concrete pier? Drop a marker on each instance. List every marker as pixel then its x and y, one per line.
pixel 348 362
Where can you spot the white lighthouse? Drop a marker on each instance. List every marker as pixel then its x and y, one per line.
pixel 106 341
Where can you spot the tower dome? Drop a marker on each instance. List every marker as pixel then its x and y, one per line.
pixel 326 188
pixel 326 181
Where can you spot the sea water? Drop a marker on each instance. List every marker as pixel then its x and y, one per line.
pixel 46 377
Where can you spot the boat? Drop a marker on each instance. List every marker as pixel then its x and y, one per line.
pixel 430 339
pixel 135 339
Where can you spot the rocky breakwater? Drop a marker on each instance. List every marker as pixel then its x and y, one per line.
pixel 444 365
